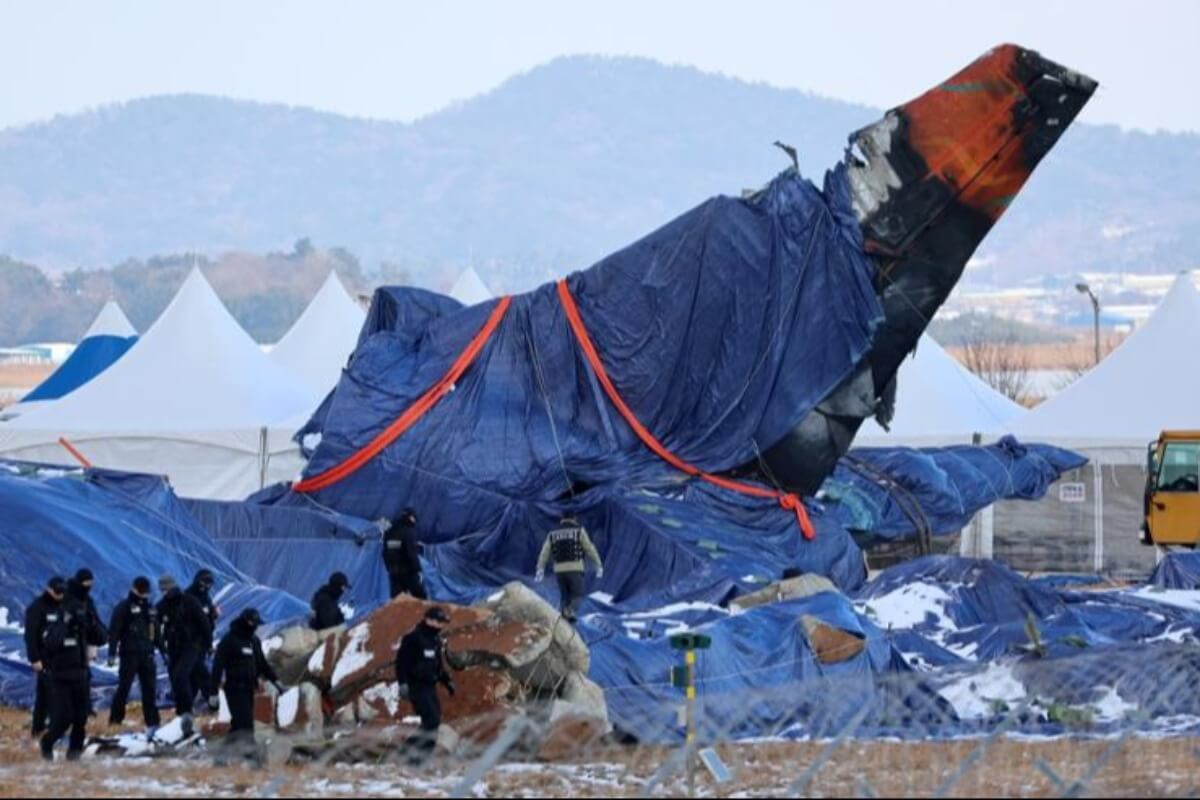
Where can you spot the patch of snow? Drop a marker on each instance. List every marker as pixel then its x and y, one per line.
pixel 910 606
pixel 5 624
pixel 355 656
pixel 602 597
pixel 171 733
pixel 347 610
pixel 497 597
pixel 1111 707
pixel 975 696
pixel 677 608
pixel 1180 598
pixel 272 644
pixel 1177 635
pixel 389 693
pixel 289 704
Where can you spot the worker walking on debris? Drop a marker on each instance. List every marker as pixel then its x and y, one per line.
pixel 402 556
pixel 42 611
pixel 569 543
pixel 132 635
pixel 67 633
pixel 420 667
pixel 238 667
pixel 327 613
pixel 185 637
pixel 201 590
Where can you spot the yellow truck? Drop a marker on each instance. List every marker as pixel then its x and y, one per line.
pixel 1172 497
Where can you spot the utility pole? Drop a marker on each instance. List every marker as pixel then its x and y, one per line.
pixel 1083 288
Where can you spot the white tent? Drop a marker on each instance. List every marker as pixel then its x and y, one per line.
pixel 1151 382
pixel 111 321
pixel 470 289
pixel 317 346
pixel 940 402
pixel 194 399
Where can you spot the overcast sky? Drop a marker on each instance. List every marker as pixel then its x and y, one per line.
pixel 399 60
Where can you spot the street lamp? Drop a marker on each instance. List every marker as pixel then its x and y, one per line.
pixel 1083 288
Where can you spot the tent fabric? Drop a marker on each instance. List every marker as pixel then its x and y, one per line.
pixel 195 400
pixel 940 402
pixel 950 484
pixel 1140 389
pixel 109 337
pixel 721 330
pixel 1177 571
pixel 469 289
pixel 321 340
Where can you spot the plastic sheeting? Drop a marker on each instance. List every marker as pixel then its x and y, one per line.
pixel 1177 571
pixel 93 355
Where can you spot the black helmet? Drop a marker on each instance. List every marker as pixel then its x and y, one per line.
pixel 407 517
pixel 339 580
pixel 251 617
pixel 57 584
pixel 141 584
pixel 205 576
pixel 437 614
pixel 84 575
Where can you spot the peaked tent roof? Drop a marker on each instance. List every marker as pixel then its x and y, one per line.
pixel 109 337
pixel 1148 384
pixel 316 347
pixel 469 289
pixel 194 369
pixel 939 401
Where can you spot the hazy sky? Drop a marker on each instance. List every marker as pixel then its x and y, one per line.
pixel 401 60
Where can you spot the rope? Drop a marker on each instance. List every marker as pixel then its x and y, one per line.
pixel 414 412
pixel 786 500
pixel 907 501
pixel 537 371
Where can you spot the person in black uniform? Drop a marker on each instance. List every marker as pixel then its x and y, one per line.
pixel 239 665
pixel 132 634
pixel 420 667
pixel 201 590
pixel 326 611
pixel 48 604
pixel 80 588
pixel 186 633
pixel 402 556
pixel 67 634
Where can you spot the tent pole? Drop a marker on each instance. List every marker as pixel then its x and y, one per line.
pixel 263 457
pixel 1098 501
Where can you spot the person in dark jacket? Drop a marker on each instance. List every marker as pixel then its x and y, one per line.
pixel 47 605
pixel 238 667
pixel 67 634
pixel 568 544
pixel 402 556
pixel 132 635
pixel 420 667
pixel 80 588
pixel 186 634
pixel 326 611
pixel 201 590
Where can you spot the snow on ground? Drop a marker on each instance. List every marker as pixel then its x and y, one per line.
pixel 1180 598
pixel 5 625
pixel 388 692
pixel 977 695
pixel 355 656
pixel 910 606
pixel 1111 707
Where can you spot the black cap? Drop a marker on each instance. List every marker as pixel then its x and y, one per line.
pixel 437 614
pixel 141 584
pixel 251 616
pixel 57 584
pixel 340 580
pixel 204 576
pixel 407 517
pixel 85 575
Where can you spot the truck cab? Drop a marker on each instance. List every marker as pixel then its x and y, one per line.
pixel 1172 496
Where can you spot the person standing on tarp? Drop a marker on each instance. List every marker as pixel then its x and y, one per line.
pixel 201 590
pixel 238 667
pixel 420 667
pixel 132 635
pixel 186 630
pixel 569 543
pixel 402 556
pixel 42 611
pixel 327 613
pixel 67 635
pixel 79 589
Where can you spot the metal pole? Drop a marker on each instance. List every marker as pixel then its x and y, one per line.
pixel 1096 327
pixel 691 722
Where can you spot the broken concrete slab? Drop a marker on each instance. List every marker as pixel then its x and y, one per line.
pixel 805 585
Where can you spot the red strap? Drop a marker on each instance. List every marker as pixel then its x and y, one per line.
pixel 786 500
pixel 414 412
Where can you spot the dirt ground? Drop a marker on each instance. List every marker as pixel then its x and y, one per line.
pixel 1005 768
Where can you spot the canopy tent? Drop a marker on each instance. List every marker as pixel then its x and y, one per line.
pixel 109 337
pixel 940 402
pixel 316 347
pixel 1149 383
pixel 470 289
pixel 195 400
